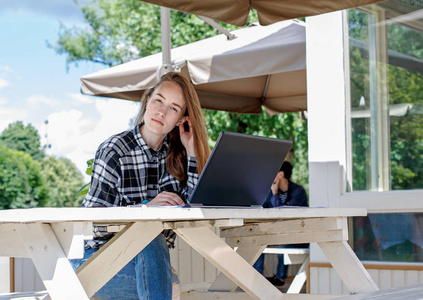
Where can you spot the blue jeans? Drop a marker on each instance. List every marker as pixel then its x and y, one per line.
pixel 147 276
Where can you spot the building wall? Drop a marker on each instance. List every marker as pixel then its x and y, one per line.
pixel 324 280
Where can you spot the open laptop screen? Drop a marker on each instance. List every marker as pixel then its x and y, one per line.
pixel 240 170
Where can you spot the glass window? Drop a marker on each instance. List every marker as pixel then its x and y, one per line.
pixel 386 67
pixel 389 237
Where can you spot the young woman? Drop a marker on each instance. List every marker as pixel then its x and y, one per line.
pixel 156 163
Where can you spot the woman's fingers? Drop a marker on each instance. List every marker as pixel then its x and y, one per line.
pixel 167 199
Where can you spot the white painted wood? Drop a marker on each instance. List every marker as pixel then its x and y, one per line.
pixel 398 278
pixel 288 251
pixel 300 278
pixel 185 256
pixel 10 244
pixel 297 225
pixel 385 202
pixel 249 254
pixel 297 219
pixel 26 278
pixel 50 261
pixel 348 267
pixel 414 292
pixel 115 254
pixel 385 279
pixel 374 273
pixel 4 274
pixel 230 263
pixel 288 238
pixel 324 276
pixel 71 236
pixel 42 295
pixel 195 295
pixel 335 283
pixel 124 214
pixel 411 277
pixel 324 43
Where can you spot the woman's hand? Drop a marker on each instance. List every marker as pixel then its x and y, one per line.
pixel 167 199
pixel 187 138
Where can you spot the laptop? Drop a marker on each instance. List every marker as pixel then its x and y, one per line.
pixel 240 171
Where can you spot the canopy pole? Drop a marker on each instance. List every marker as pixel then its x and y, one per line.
pixel 166 42
pixel 217 26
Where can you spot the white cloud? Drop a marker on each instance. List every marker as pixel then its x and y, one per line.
pixel 9 115
pixel 81 99
pixel 74 135
pixel 38 99
pixel 3 83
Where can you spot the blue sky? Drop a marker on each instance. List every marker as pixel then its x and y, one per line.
pixel 35 84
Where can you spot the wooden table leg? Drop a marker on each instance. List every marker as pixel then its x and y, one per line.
pixel 50 261
pixel 113 256
pixel 348 267
pixel 250 254
pixel 215 250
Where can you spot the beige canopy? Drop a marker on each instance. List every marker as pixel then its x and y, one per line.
pixel 262 65
pixel 269 11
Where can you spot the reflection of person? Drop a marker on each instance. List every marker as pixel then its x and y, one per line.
pixel 283 192
pixel 155 163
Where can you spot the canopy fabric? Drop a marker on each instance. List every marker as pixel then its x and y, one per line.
pixel 263 65
pixel 269 11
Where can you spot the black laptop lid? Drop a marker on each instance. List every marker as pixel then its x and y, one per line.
pixel 240 170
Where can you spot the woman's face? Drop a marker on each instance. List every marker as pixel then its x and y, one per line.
pixel 165 108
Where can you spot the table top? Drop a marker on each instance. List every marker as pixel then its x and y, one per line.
pixel 148 213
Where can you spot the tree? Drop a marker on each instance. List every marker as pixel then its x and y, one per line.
pixel 17 136
pixel 21 183
pixel 119 31
pixel 62 180
pixel 122 30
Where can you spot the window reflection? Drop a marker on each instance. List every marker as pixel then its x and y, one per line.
pixel 389 237
pixel 386 67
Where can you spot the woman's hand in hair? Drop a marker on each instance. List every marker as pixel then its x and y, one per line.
pixel 167 199
pixel 187 138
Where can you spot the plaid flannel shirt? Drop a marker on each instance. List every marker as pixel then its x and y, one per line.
pixel 126 171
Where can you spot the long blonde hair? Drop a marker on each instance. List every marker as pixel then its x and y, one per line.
pixel 176 161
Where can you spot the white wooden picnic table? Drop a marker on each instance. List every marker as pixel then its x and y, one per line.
pixel 51 236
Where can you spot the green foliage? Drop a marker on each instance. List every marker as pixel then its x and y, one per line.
pixel 62 180
pixel 29 178
pixel 119 31
pixel 21 183
pixel 23 138
pixel 83 191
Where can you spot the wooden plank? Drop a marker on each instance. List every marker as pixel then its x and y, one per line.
pixel 297 225
pixel 132 214
pixel 229 262
pixel 412 292
pixel 71 236
pixel 113 256
pixel 299 279
pixel 348 266
pixel 288 238
pixel 11 245
pixel 201 295
pixel 292 251
pixel 250 255
pixel 205 223
pixel 50 261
